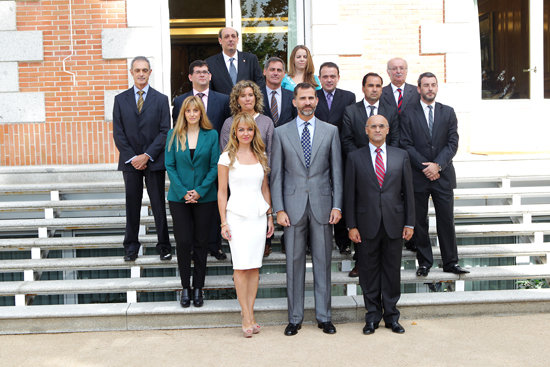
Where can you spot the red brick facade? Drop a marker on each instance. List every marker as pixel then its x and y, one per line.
pixel 75 131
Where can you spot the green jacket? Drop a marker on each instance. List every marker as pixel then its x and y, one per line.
pixel 199 173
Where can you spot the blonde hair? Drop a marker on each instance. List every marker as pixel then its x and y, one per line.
pixel 236 92
pixel 257 144
pixel 310 69
pixel 180 130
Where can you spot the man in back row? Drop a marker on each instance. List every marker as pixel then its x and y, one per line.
pixel 230 66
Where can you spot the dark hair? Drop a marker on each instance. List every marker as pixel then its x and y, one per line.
pixel 426 75
pixel 302 86
pixel 139 58
pixel 372 74
pixel 274 59
pixel 329 64
pixel 197 64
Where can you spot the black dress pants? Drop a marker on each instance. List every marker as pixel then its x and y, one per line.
pixel 444 215
pixel 192 225
pixel 133 183
pixel 379 263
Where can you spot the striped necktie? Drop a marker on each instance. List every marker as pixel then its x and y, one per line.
pixel 274 107
pixel 399 100
pixel 140 101
pixel 379 163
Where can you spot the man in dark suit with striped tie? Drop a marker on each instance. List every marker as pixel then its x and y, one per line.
pixel 141 120
pixel 277 101
pixel 399 93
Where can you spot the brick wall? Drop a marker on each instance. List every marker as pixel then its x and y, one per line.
pixel 390 29
pixel 75 131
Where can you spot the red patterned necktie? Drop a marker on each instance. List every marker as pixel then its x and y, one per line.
pixel 380 171
pixel 399 100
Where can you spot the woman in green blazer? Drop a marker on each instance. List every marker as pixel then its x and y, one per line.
pixel 191 160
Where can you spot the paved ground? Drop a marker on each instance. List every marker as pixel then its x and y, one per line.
pixel 473 341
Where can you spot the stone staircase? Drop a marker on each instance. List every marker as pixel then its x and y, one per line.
pixel 48 214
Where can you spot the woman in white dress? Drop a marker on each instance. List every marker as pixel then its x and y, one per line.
pixel 246 215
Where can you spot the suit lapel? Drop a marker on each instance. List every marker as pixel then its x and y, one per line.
pixel 243 66
pixel 294 138
pixel 319 136
pixel 437 120
pixel 149 99
pixel 362 112
pixel 368 166
pixel 421 118
pixel 131 100
pixel 198 148
pixel 221 66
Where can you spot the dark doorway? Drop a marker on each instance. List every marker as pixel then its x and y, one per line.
pixel 194 27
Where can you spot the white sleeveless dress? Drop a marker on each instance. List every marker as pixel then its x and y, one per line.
pixel 245 213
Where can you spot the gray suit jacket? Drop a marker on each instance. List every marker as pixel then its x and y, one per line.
pixel 292 184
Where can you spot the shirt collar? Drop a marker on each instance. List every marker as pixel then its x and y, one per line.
pixel 326 93
pixel 301 122
pixel 373 148
pixel 226 58
pixel 367 104
pixel 394 88
pixel 145 89
pixel 425 105
pixel 206 92
pixel 269 90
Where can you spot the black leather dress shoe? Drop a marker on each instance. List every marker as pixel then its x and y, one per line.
pixel 328 327
pixel 292 329
pixel 396 327
pixel 422 271
pixel 370 327
pixel 456 269
pixel 198 299
pixel 165 254
pixel 219 255
pixel 131 256
pixel 185 300
pixel 354 273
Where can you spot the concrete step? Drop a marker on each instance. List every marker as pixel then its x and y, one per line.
pixel 268 311
pixel 276 280
pixel 276 258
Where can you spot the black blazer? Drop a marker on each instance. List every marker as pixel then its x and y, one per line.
pixel 340 100
pixel 288 111
pixel 410 96
pixel 440 148
pixel 137 133
pixel 217 109
pixel 366 204
pixel 248 68
pixel 353 127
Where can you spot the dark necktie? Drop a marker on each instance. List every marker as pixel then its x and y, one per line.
pixel 379 163
pixel 201 95
pixel 232 71
pixel 329 100
pixel 371 111
pixel 399 100
pixel 274 107
pixel 140 101
pixel 306 143
pixel 430 119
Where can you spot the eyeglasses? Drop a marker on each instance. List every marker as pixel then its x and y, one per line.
pixel 203 72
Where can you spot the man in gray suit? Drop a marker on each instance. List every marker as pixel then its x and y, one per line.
pixel 306 191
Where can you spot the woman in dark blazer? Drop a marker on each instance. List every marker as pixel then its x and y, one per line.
pixel 191 159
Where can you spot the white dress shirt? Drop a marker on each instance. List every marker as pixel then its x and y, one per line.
pixel 375 112
pixel 427 111
pixel 235 62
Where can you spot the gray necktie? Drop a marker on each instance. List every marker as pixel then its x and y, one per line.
pixel 371 111
pixel 430 119
pixel 329 100
pixel 232 71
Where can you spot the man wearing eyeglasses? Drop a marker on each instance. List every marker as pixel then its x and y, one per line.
pixel 217 110
pixel 399 93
